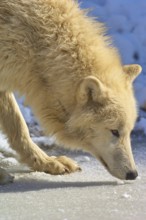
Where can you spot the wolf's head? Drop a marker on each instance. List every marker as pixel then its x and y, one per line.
pixel 104 118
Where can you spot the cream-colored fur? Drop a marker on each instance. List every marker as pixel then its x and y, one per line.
pixel 73 79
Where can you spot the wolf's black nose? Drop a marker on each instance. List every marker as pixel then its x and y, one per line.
pixel 131 175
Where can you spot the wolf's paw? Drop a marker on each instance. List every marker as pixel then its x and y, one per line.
pixel 69 164
pixel 5 177
pixel 60 165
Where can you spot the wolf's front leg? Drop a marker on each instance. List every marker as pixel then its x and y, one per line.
pixel 15 128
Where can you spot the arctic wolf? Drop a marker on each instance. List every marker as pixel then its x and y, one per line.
pixel 74 80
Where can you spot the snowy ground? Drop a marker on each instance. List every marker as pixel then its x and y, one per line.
pixel 90 194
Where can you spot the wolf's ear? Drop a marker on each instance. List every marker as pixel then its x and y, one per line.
pixel 132 71
pixel 90 89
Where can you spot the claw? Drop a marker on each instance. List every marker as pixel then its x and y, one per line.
pixel 59 166
pixel 79 169
pixel 67 171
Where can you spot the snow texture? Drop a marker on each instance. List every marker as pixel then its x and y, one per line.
pixel 90 194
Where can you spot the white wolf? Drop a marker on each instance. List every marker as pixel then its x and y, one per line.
pixel 73 79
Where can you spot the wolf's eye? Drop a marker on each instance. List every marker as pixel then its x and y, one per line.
pixel 115 133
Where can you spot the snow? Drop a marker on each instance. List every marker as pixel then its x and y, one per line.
pixel 4 148
pixel 91 193
pixel 141 125
pixel 126 196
